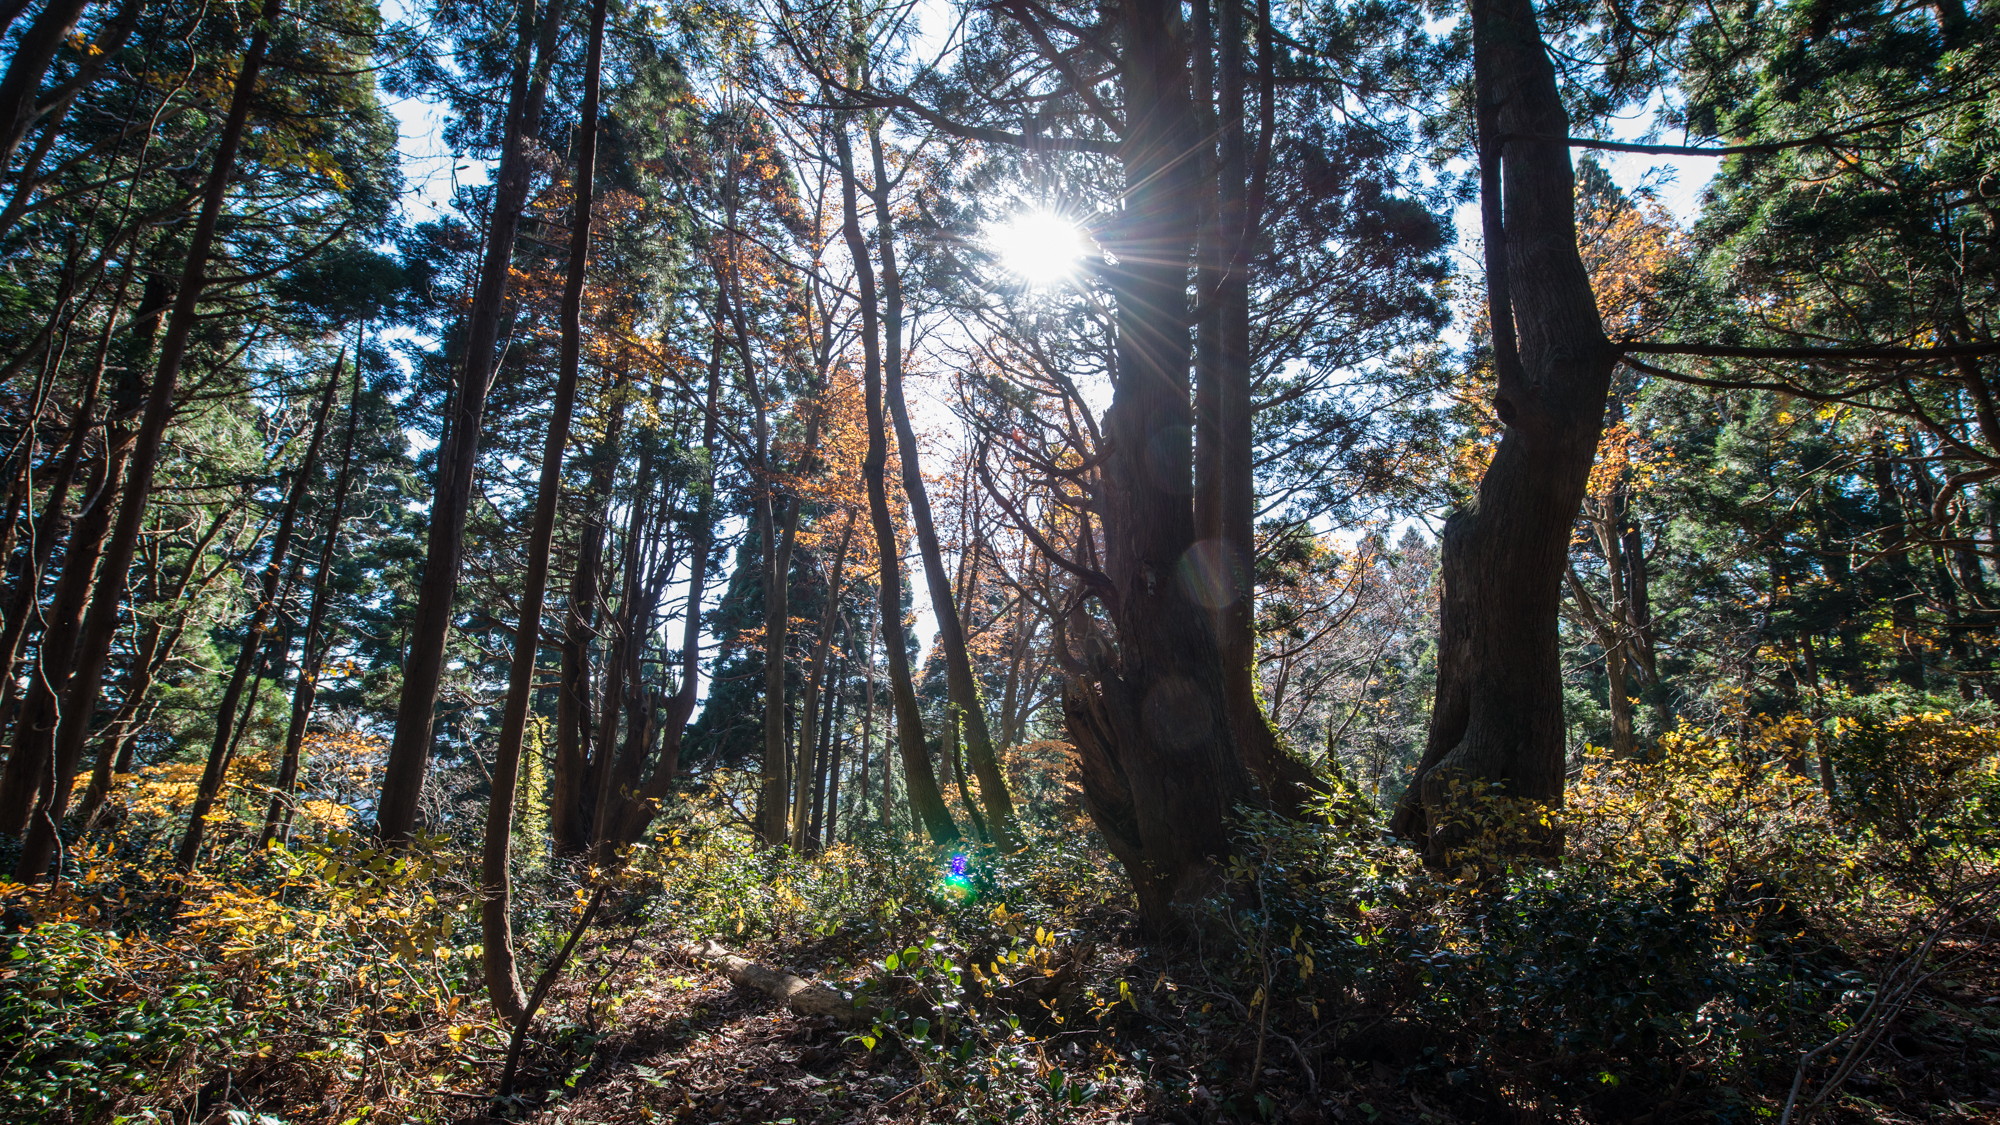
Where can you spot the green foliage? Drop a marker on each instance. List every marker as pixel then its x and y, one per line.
pixel 78 1036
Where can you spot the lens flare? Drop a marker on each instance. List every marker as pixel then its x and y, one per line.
pixel 958 880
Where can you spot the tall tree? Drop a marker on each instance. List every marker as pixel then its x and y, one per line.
pixel 269 590
pixel 503 981
pixel 38 738
pixel 458 453
pixel 1497 719
pixel 920 779
pixel 963 685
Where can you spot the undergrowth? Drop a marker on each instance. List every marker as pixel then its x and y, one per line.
pixel 1774 916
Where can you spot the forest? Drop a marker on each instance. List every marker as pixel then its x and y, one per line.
pixel 1179 562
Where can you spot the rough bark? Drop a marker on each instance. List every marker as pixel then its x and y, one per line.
pixel 503 983
pixel 1498 719
pixel 920 780
pixel 1225 452
pixel 458 454
pixel 1145 705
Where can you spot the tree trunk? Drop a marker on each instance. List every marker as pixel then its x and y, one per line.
pixel 312 651
pixel 29 778
pixel 802 830
pixel 570 810
pixel 962 685
pixel 826 827
pixel 22 82
pixel 1497 720
pixel 458 454
pixel 1225 503
pixel 631 817
pixel 1145 706
pixel 926 799
pixel 496 923
pixel 222 750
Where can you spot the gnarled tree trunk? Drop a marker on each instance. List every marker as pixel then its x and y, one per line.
pixel 1498 716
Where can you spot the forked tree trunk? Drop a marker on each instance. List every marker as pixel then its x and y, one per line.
pixel 28 775
pixel 496 922
pixel 570 809
pixel 93 647
pixel 458 455
pixel 1497 720
pixel 961 684
pixel 1145 707
pixel 926 799
pixel 627 817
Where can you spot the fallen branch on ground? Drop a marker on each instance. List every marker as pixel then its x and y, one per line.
pixel 807 998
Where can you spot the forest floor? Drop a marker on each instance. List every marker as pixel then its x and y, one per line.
pixel 692 1047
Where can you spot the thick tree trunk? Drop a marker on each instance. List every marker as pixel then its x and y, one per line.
pixel 926 799
pixel 1225 490
pixel 1146 707
pixel 1497 720
pixel 961 684
pixel 503 982
pixel 312 651
pixel 458 455
pixel 222 750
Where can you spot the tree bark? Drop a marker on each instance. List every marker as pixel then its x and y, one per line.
pixel 1145 706
pixel 29 776
pixel 1497 720
pixel 570 810
pixel 131 458
pixel 503 981
pixel 926 799
pixel 802 830
pixel 1225 452
pixel 458 454
pixel 22 82
pixel 625 823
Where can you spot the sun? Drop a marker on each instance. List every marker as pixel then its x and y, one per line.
pixel 1040 247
